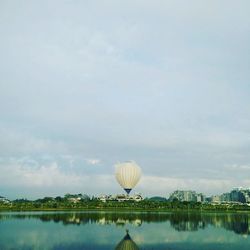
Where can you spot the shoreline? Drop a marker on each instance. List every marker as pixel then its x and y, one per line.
pixel 125 210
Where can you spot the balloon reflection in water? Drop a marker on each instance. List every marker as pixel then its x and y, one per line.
pixel 127 243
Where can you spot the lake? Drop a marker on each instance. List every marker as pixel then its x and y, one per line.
pixel 110 230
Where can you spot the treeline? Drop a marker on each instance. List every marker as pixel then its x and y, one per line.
pixel 84 202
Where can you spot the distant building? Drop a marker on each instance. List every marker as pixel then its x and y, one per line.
pixel 200 197
pixel 226 197
pixel 182 195
pixel 4 200
pixel 237 195
pixel 216 198
pixel 240 195
pixel 76 197
pixel 137 197
pixel 120 198
pixel 74 200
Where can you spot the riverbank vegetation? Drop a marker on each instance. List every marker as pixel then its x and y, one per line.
pixel 86 203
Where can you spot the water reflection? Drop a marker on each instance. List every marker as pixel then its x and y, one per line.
pixel 127 243
pixel 238 223
pixel 105 231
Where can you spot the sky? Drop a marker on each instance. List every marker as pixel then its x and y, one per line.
pixel 87 84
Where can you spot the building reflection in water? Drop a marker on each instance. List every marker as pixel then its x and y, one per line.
pixel 127 243
pixel 237 222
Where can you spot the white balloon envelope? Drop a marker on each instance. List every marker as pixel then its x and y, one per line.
pixel 127 174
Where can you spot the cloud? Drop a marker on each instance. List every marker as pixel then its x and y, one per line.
pixel 51 179
pixel 170 91
pixel 93 161
pixel 165 185
pixel 15 142
pixel 35 178
pixel 22 175
pixel 235 167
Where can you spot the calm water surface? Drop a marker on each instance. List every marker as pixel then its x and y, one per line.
pixel 106 230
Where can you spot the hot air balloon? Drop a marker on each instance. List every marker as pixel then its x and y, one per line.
pixel 127 174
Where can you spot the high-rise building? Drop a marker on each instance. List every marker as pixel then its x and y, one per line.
pixel 182 195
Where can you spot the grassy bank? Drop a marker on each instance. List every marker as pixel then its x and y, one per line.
pixel 143 206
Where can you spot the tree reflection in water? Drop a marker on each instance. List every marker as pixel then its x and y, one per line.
pixel 238 223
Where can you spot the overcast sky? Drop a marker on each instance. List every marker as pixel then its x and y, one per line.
pixel 85 84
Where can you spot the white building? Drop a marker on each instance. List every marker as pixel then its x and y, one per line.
pixel 120 198
pixel 4 200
